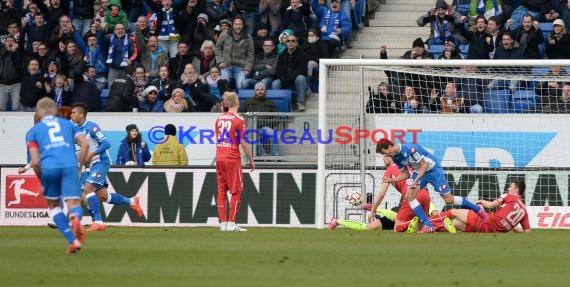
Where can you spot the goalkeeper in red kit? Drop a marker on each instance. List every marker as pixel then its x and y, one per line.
pixel 230 130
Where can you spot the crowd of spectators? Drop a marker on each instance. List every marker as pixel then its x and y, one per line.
pixel 164 55
pixel 491 29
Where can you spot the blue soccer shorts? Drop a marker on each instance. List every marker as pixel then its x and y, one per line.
pixel 61 182
pixel 436 178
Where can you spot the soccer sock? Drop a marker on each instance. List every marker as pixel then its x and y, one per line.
pixel 419 211
pixel 62 223
pixel 464 203
pixel 351 224
pixel 117 199
pixel 235 203
pixel 76 211
pixel 221 202
pixel 391 215
pixel 94 207
pixel 446 214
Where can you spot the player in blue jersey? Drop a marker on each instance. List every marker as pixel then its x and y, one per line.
pixel 98 160
pixel 426 169
pixel 51 145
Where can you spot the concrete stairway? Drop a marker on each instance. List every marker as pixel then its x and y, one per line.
pixel 395 26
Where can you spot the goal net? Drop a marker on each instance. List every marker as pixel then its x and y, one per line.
pixel 487 121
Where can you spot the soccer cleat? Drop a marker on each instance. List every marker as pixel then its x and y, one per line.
pixel 137 206
pixel 78 229
pixel 96 227
pixel 483 215
pixel 223 227
pixel 333 224
pixel 52 225
pixel 73 247
pixel 235 228
pixel 367 206
pixel 413 225
pixel 448 224
pixel 427 229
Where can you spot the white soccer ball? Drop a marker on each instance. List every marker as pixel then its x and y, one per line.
pixel 356 198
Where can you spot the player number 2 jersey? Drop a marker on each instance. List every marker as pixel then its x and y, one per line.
pixel 55 139
pixel 230 129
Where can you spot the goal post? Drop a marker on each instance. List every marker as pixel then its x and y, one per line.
pixel 512 123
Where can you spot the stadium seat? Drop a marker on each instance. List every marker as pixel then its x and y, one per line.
pixel 546 28
pixel 540 71
pixel 104 96
pixel 281 98
pixel 523 100
pixel 463 49
pixel 463 7
pixel 497 101
pixel 541 50
pixel 435 50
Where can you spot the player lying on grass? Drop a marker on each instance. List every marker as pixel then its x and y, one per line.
pixel 510 213
pixel 404 219
pixel 426 169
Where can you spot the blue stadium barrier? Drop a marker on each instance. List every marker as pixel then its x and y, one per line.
pixel 523 100
pixel 497 101
pixel 281 98
pixel 104 96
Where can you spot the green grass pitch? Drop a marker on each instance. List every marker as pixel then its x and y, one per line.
pixel 125 256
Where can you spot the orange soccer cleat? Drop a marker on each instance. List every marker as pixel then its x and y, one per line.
pixel 137 207
pixel 96 227
pixel 78 229
pixel 73 247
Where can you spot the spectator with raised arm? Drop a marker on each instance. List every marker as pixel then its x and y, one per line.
pixel 335 25
pixel 121 52
pixel 10 74
pixel 444 23
pixel 196 92
pixel 479 48
pixel 528 36
pixel 94 55
pixel 166 30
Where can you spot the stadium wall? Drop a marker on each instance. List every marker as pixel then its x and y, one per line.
pixel 283 197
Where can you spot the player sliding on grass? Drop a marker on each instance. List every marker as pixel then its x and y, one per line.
pixel 426 169
pixel 404 219
pixel 95 182
pixel 510 213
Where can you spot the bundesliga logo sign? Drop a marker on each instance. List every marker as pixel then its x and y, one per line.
pixel 340 135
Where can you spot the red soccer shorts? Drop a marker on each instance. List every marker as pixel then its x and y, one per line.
pixel 229 176
pixel 405 213
pixel 475 223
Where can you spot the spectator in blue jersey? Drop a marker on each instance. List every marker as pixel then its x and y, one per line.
pixel 335 25
pixel 444 22
pixel 94 55
pixel 133 150
pixel 95 182
pixel 424 168
pixel 51 145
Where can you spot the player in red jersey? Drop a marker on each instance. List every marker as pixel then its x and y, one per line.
pixel 510 213
pixel 405 219
pixel 230 130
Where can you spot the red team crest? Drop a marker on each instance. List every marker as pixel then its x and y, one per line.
pixel 24 191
